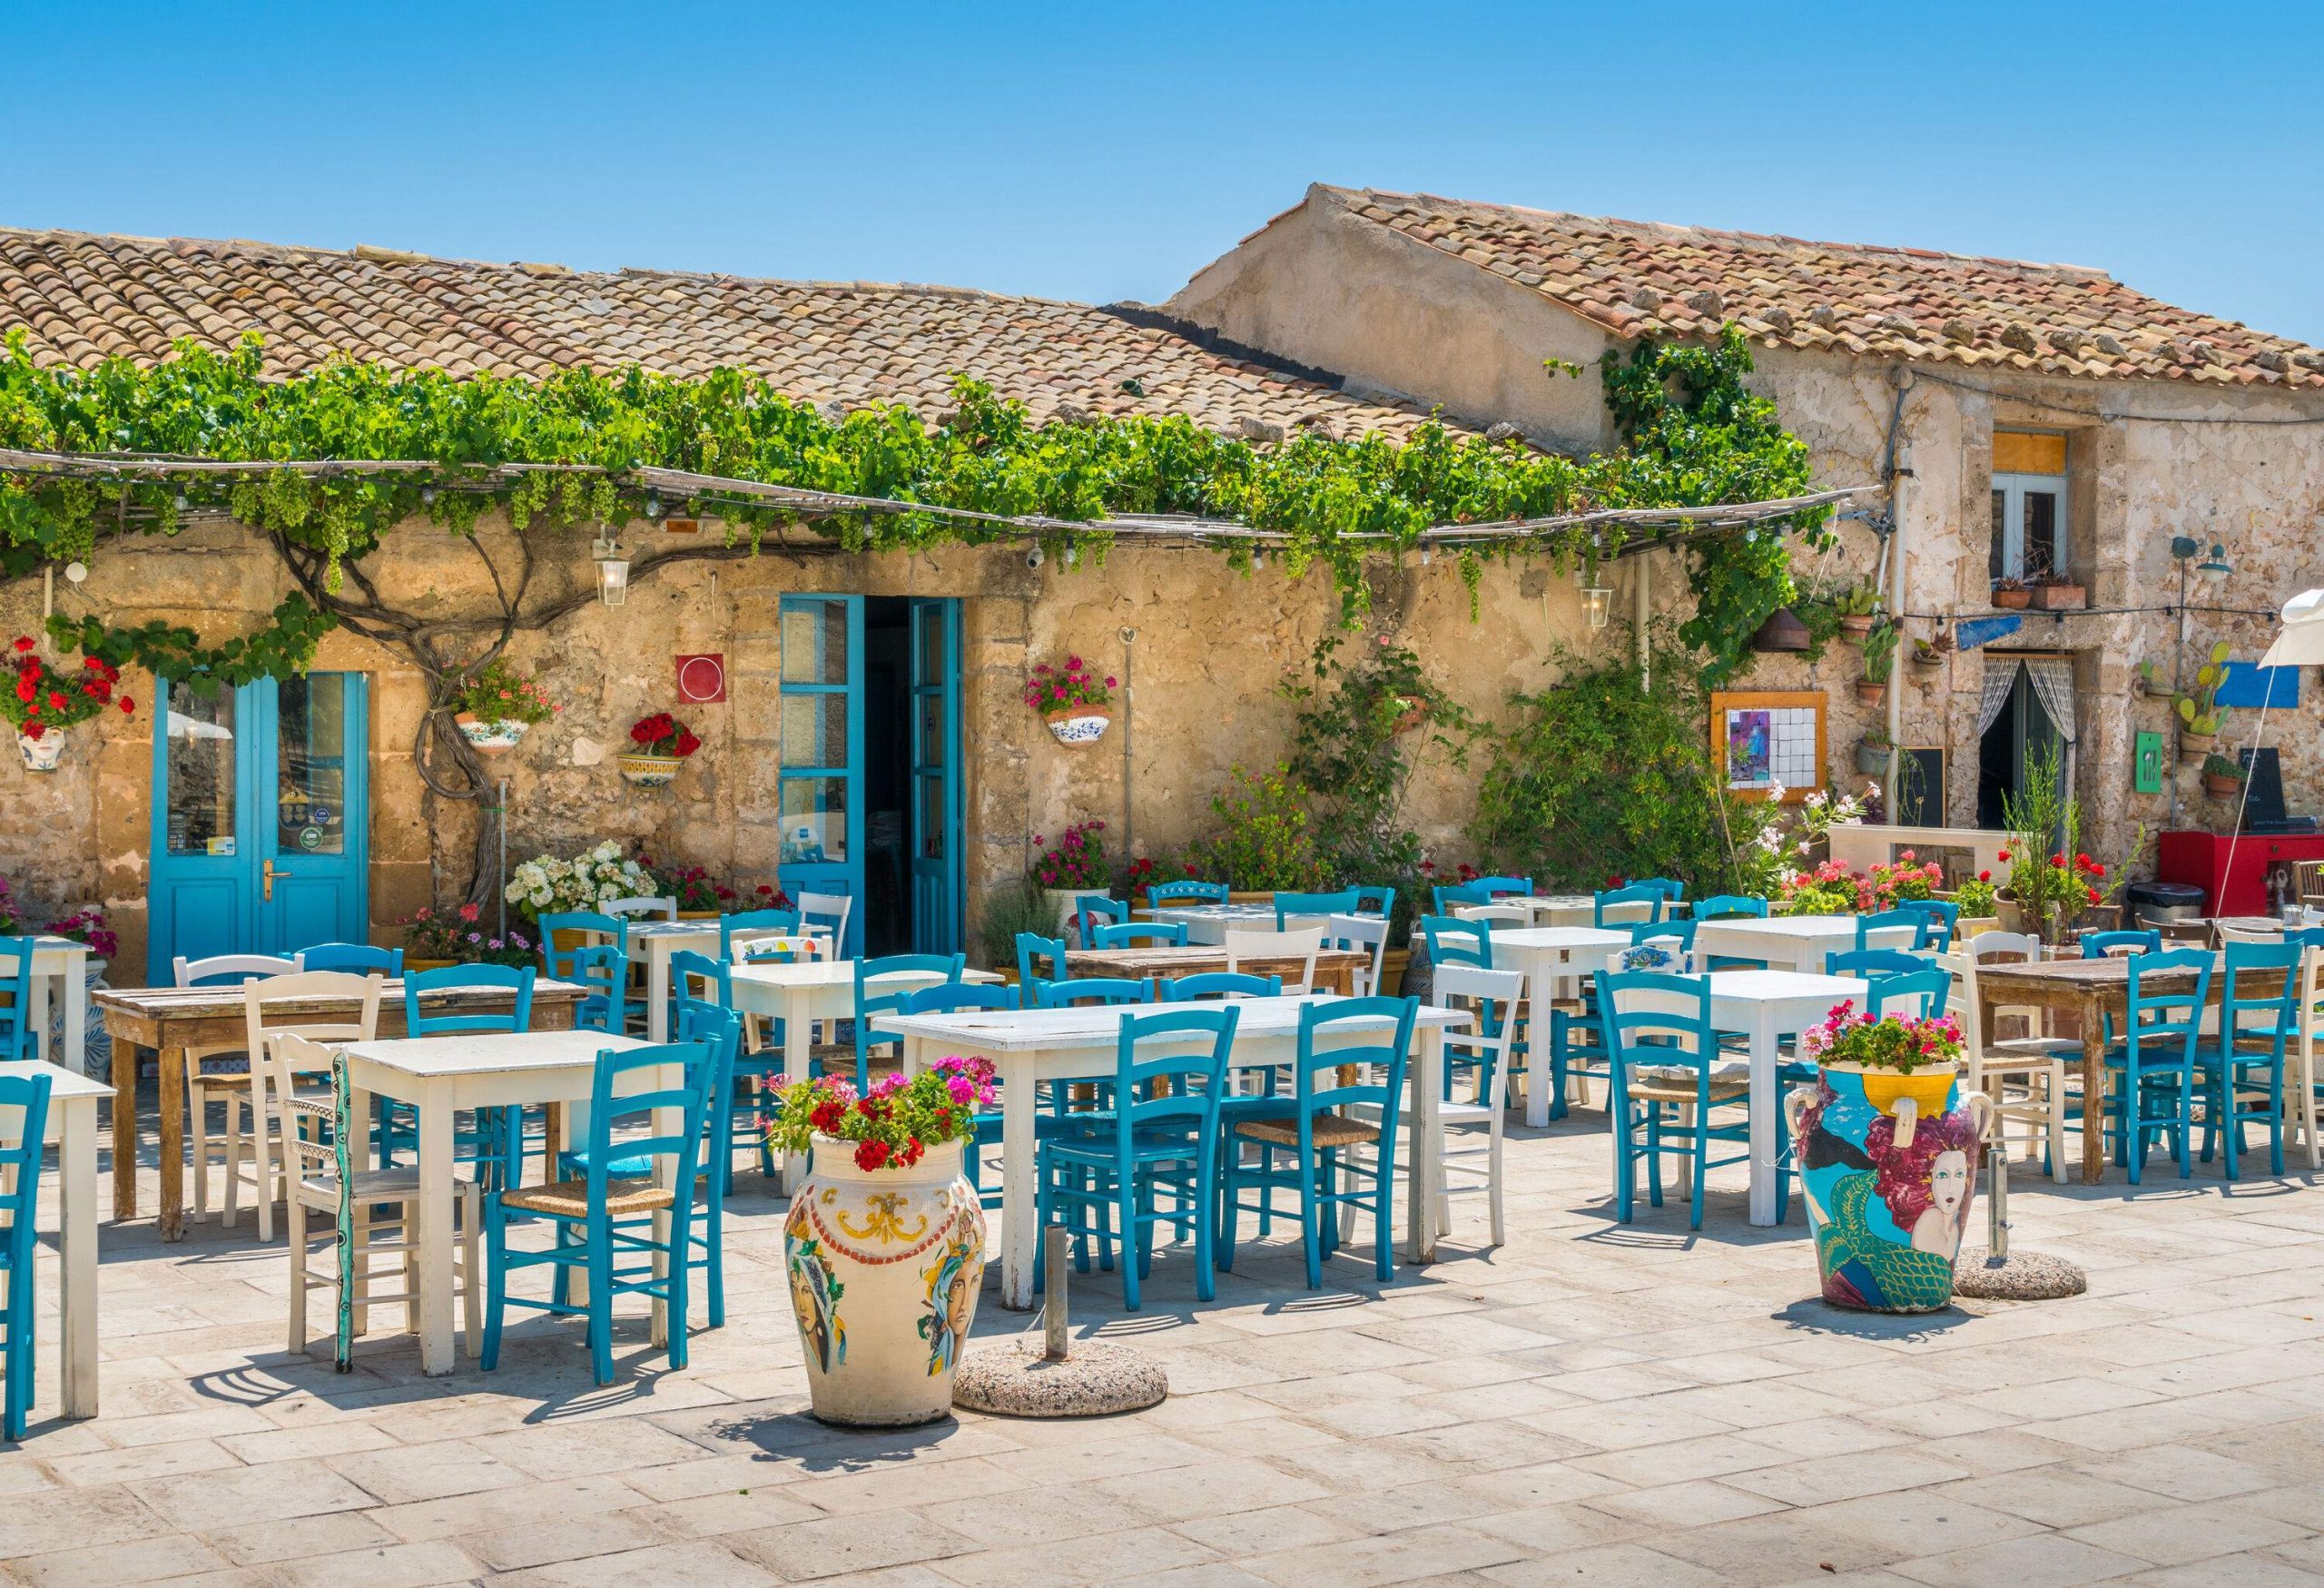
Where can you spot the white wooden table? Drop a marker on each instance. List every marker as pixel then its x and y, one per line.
pixel 73 1100
pixel 441 1075
pixel 1558 909
pixel 1793 943
pixel 1554 959
pixel 63 962
pixel 804 992
pixel 1209 923
pixel 1081 1044
pixel 656 940
pixel 1768 1006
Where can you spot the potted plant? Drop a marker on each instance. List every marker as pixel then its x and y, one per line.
pixel 2053 592
pixel 1072 700
pixel 1928 655
pixel 2223 776
pixel 1980 907
pixel 2200 712
pixel 86 925
pixel 884 1243
pixel 1018 905
pixel 700 896
pixel 2146 679
pixel 660 742
pixel 1263 840
pixel 435 938
pixel 1872 751
pixel 46 702
pixel 2011 595
pixel 1889 1165
pixel 1858 611
pixel 1879 662
pixel 1072 869
pixel 589 880
pixel 2051 887
pixel 495 706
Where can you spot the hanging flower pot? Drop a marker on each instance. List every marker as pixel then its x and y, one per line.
pixel 42 753
pixel 1782 633
pixel 1072 700
pixel 492 735
pixel 1411 713
pixel 2194 747
pixel 1871 759
pixel 1871 691
pixel 1079 724
pixel 660 744
pixel 44 701
pixel 1854 626
pixel 650 771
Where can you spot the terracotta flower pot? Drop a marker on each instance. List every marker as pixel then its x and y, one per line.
pixel 1890 1169
pixel 2193 748
pixel 1871 691
pixel 2061 598
pixel 1857 624
pixel 2221 787
pixel 884 1268
pixel 491 736
pixel 2013 600
pixel 1078 725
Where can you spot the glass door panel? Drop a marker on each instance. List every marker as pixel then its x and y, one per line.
pixel 938 923
pixel 820 802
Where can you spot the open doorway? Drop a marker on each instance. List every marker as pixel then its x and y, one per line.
pixel 2018 740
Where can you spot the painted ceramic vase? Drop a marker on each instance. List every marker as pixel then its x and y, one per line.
pixel 42 754
pixel 884 1266
pixel 1080 725
pixel 650 771
pixel 1888 1168
pixel 491 736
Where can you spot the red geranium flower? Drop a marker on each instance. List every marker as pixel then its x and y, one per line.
pixel 24 643
pixel 871 1155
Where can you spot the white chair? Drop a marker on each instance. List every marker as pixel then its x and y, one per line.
pixel 266 1114
pixel 1503 914
pixel 772 943
pixel 830 907
pixel 2034 1065
pixel 2301 1106
pixel 223 1070
pixel 644 907
pixel 2228 934
pixel 312 1183
pixel 1490 998
pixel 1307 940
pixel 1352 933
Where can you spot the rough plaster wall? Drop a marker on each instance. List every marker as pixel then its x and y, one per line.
pixel 1325 289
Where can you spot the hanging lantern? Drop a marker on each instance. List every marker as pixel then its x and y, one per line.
pixel 1782 632
pixel 612 570
pixel 1596 604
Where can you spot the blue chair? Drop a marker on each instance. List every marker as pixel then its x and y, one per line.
pixel 1092 912
pixel 1160 1138
pixel 1454 942
pixel 1945 915
pixel 1374 901
pixel 1886 920
pixel 1321 1128
pixel 585 1211
pixel 1186 896
pixel 1206 984
pixel 2097 945
pixel 357 958
pixel 1651 930
pixel 1032 948
pixel 1924 991
pixel 1093 990
pixel 1732 907
pixel 604 969
pixel 1286 905
pixel 1498 887
pixel 1673 892
pixel 20 1161
pixel 1662 1060
pixel 869 1001
pixel 2244 1063
pixel 557 963
pixel 16 1032
pixel 1445 896
pixel 1140 933
pixel 945 998
pixel 1619 898
pixel 494 1144
pixel 721 1030
pixel 752 921
pixel 1871 963
pixel 2153 1067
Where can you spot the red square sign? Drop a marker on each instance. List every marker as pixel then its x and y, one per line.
pixel 701 680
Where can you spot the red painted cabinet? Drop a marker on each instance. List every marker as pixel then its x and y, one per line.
pixel 2233 873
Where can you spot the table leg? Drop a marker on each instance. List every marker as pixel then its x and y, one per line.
pixel 71 988
pixel 658 994
pixel 436 1173
pixel 1019 1168
pixel 797 1040
pixel 76 1167
pixel 1538 1077
pixel 2093 1094
pixel 125 1130
pixel 668 1123
pixel 172 1165
pixel 1764 1102
pixel 36 1012
pixel 1427 1143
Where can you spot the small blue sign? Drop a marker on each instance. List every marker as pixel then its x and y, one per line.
pixel 2250 687
pixel 1982 631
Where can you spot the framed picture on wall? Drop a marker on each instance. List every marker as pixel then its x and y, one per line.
pixel 1766 740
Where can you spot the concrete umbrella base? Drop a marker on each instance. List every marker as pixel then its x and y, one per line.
pixel 2017 1276
pixel 1018 1379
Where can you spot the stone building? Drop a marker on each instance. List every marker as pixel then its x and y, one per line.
pixel 2048 415
pixel 1355 312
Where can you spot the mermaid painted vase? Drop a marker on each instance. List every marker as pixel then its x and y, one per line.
pixel 884 1266
pixel 1889 1166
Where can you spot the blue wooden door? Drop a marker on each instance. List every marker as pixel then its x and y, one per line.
pixel 819 802
pixel 936 924
pixel 260 820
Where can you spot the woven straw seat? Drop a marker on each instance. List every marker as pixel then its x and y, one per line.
pixel 1667 1087
pixel 570 1198
pixel 1331 1130
pixel 371 1185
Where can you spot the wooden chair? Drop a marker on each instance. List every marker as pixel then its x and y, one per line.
pixel 1305 943
pixel 829 911
pixel 2034 1065
pixel 224 1070
pixel 1503 914
pixel 2307 881
pixel 323 1145
pixel 24 1097
pixel 267 1114
pixel 1365 934
pixel 1492 999
pixel 642 907
pixel 2303 1109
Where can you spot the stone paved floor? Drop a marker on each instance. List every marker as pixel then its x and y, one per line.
pixel 1589 1404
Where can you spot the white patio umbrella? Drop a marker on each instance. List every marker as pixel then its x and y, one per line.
pixel 2301 643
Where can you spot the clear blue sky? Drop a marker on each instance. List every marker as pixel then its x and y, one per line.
pixel 1099 152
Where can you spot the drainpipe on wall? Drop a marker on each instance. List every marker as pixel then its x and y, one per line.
pixel 1904 471
pixel 1639 602
pixel 1130 698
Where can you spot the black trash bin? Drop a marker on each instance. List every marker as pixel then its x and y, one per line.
pixel 2160 904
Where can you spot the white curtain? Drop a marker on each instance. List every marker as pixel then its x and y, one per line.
pixel 2001 677
pixel 2053 679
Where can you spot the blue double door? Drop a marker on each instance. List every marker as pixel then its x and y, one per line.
pixel 260 819
pixel 870 791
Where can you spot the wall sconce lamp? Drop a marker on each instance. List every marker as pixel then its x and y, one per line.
pixel 1597 604
pixel 613 569
pixel 2213 569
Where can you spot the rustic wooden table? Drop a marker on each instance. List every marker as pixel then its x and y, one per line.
pixel 2092 990
pixel 170 1019
pixel 1336 969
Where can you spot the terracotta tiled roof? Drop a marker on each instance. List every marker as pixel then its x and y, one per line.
pixel 1642 279
pixel 83 298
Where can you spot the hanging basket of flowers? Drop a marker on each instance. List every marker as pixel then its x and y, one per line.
pixel 47 701
pixel 1072 700
pixel 497 706
pixel 662 745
